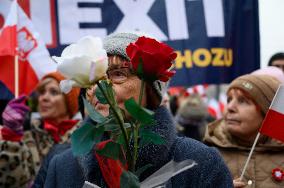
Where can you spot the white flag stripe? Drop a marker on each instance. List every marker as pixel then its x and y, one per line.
pixel 278 101
pixel 200 89
pixel 12 16
pixel 213 104
pixel 39 57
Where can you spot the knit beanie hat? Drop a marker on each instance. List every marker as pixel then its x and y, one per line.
pixel 115 44
pixel 261 88
pixel 271 71
pixel 71 97
pixel 192 109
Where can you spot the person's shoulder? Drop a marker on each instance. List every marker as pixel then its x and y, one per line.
pixel 65 155
pixel 64 171
pixel 210 167
pixel 64 162
pixel 210 170
pixel 207 157
pixel 193 148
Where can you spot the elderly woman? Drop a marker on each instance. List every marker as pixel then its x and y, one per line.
pixel 249 98
pixel 67 170
pixel 22 151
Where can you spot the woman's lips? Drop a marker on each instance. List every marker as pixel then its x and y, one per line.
pixel 232 121
pixel 44 108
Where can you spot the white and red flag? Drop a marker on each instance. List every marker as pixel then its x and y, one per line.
pixel 198 89
pixel 19 38
pixel 273 124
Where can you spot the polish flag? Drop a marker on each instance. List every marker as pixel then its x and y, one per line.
pixel 273 124
pixel 18 37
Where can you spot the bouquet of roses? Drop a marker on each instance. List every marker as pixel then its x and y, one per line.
pixel 85 64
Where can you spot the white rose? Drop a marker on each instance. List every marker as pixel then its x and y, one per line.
pixel 82 63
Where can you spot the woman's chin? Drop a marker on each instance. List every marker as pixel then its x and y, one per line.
pixel 45 115
pixel 233 128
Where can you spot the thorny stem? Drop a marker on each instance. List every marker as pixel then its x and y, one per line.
pixel 136 128
pixel 120 122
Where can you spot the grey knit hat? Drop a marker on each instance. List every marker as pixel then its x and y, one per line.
pixel 116 43
pixel 192 110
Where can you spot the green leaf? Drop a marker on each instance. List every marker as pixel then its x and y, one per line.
pixel 111 150
pixel 100 96
pixel 107 87
pixel 141 114
pixel 147 136
pixel 84 138
pixel 109 124
pixel 142 169
pixel 129 180
pixel 121 141
pixel 119 112
pixel 94 115
pixel 111 127
pixel 120 138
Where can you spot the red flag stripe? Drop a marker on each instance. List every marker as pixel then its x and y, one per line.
pixel 273 125
pixel 8 41
pixel 27 77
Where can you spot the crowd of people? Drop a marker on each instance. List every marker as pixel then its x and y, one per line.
pixel 36 152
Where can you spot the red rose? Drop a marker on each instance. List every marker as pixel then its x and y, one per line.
pixel 157 58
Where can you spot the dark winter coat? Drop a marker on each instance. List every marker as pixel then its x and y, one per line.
pixel 65 170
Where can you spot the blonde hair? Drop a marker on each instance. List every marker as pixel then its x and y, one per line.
pixel 40 87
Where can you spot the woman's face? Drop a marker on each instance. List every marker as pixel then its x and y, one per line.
pixel 242 117
pixel 51 102
pixel 125 85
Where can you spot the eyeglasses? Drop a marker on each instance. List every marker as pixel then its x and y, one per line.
pixel 119 75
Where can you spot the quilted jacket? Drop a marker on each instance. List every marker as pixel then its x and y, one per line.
pixel 266 157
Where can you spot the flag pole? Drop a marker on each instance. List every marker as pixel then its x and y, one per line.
pixel 16 75
pixel 250 154
pixel 17 60
pixel 256 139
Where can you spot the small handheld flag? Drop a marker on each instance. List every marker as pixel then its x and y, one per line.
pixel 273 124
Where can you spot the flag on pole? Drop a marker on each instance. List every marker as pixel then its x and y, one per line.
pixel 19 36
pixel 273 123
pixel 8 36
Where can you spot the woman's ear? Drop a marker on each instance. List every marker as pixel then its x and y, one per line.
pixel 152 98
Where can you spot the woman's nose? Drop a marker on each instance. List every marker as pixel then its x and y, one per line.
pixel 231 106
pixel 45 95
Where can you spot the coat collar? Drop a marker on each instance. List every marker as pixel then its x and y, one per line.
pixel 216 134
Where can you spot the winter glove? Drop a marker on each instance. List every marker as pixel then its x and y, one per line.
pixel 14 114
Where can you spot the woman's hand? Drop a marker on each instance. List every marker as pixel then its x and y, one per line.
pixel 238 183
pixel 14 114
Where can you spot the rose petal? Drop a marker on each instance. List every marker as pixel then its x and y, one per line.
pixel 157 58
pixel 76 60
pixel 85 46
pixel 98 70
